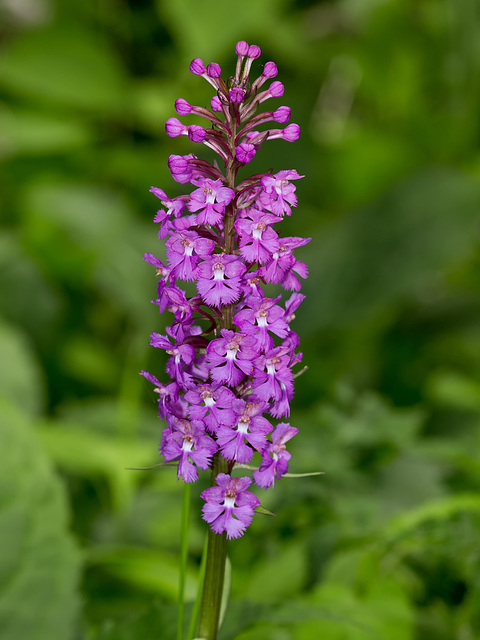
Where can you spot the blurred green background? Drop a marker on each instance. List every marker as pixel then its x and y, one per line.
pixel 386 544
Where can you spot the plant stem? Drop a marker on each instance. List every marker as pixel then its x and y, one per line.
pixel 183 558
pixel 217 543
pixel 214 571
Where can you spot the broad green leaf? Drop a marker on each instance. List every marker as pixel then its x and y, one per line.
pixel 29 132
pixel 454 389
pixel 246 614
pixel 90 361
pixel 23 287
pixel 151 570
pixel 402 245
pixel 382 612
pixel 227 584
pixel 155 621
pixel 439 511
pixel 21 379
pixel 82 451
pixel 205 30
pixel 67 66
pixel 88 213
pixel 39 562
pixel 287 564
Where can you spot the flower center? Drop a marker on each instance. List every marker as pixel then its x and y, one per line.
pixel 258 230
pixel 218 271
pixel 162 392
pixel 188 246
pixel 232 349
pixel 207 397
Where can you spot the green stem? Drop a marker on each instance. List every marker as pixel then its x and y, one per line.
pixel 214 571
pixel 217 544
pixel 183 558
pixel 196 606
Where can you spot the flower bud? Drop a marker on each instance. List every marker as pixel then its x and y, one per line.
pixel 291 132
pixel 216 104
pixel 282 115
pixel 197 67
pixel 236 95
pixel 276 89
pixel 270 70
pixel 241 48
pixel 182 107
pixel 213 70
pixel 254 51
pixel 245 152
pixel 180 169
pixel 175 128
pixel 196 133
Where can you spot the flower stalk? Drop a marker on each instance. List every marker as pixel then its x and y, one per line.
pixel 214 571
pixel 231 350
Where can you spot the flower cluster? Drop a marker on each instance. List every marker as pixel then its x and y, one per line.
pixel 231 348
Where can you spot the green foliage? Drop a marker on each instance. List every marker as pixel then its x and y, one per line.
pixel 384 544
pixel 39 563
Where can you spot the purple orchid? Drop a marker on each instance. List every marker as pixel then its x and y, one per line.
pixel 275 457
pixel 247 433
pixel 260 317
pixel 210 199
pixel 187 442
pixel 184 249
pixel 229 506
pixel 230 347
pixel 219 279
pixel 231 357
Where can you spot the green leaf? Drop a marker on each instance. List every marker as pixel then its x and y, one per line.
pixel 39 563
pixel 151 570
pixel 263 511
pixel 243 615
pixel 416 232
pixel 155 622
pixel 28 132
pixel 439 511
pixel 206 29
pixel 85 452
pixel 454 389
pixel 227 585
pixel 21 381
pixel 288 565
pixel 20 274
pixel 66 66
pixel 382 612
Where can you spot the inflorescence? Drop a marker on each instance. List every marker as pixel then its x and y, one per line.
pixel 231 348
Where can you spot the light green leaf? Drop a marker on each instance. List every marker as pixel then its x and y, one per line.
pixel 83 451
pixel 152 570
pixel 28 132
pixel 263 511
pixel 227 584
pixel 454 389
pixel 39 563
pixel 64 65
pixel 287 564
pixel 206 29
pixel 434 511
pixel 21 380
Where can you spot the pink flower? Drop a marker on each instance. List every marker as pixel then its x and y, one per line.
pixel 210 199
pixel 219 279
pixel 275 457
pixel 229 506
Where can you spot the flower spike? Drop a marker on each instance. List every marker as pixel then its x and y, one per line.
pixel 230 347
